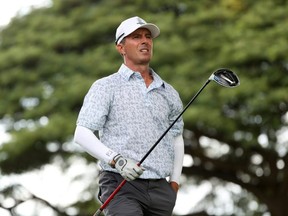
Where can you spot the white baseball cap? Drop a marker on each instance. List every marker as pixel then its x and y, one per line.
pixel 130 25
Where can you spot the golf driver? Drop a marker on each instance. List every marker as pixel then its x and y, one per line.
pixel 224 77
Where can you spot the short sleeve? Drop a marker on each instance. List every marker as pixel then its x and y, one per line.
pixel 95 108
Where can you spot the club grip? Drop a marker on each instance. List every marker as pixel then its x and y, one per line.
pixel 98 212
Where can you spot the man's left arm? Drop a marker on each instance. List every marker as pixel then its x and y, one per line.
pixel 178 162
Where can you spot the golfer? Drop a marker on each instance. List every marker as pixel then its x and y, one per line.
pixel 130 110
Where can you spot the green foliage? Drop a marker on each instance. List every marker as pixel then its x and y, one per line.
pixel 50 57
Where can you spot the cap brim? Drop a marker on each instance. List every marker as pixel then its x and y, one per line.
pixel 155 31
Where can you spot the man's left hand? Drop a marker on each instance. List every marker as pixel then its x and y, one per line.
pixel 174 186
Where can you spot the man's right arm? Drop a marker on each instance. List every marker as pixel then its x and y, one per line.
pixel 87 139
pixel 126 167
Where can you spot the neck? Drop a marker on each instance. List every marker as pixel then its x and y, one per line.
pixel 144 70
pixel 148 78
pixel 141 68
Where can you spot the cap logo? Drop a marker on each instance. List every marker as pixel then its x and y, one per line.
pixel 140 21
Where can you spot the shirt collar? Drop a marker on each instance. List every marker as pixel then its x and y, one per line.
pixel 126 73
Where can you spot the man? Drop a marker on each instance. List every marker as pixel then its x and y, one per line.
pixel 131 109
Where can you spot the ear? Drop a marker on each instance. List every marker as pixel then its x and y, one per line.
pixel 120 48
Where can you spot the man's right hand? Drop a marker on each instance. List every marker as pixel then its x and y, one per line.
pixel 127 168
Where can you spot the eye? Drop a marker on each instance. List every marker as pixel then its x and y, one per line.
pixel 136 36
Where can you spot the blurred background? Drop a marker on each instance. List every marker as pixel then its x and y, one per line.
pixel 236 140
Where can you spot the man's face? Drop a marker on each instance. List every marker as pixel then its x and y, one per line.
pixel 137 47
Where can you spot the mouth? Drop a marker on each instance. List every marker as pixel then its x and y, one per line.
pixel 144 50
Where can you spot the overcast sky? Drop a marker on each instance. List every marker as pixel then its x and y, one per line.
pixel 11 8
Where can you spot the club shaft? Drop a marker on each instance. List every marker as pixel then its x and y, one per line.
pixel 98 212
pixel 172 124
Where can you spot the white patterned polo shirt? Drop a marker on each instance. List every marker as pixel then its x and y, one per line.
pixel 130 118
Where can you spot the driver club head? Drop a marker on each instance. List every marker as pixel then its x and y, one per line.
pixel 225 77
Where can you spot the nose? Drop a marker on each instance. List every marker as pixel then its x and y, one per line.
pixel 146 40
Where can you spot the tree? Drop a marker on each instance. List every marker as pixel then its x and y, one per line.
pixel 49 59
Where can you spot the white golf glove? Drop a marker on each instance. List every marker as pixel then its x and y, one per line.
pixel 127 168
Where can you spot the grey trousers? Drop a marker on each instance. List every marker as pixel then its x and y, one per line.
pixel 141 197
